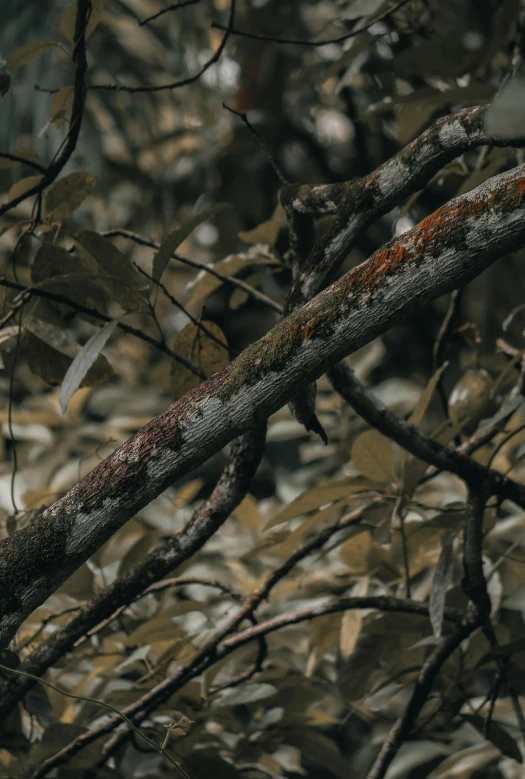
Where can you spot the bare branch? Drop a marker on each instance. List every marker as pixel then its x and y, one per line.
pixel 361 201
pixel 244 458
pixel 77 111
pixel 326 42
pixel 56 297
pixel 174 7
pixel 139 239
pixel 182 82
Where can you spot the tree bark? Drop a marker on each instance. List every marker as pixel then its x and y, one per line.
pixel 445 251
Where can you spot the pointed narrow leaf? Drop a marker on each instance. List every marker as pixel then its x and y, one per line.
pixel 426 396
pixel 441 583
pixel 267 232
pixel 497 735
pixel 175 238
pixel 27 53
pixel 24 185
pixel 61 105
pixel 321 495
pixel 83 362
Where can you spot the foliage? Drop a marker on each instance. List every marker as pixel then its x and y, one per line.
pixel 147 257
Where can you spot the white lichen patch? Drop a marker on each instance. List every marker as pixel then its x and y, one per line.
pixel 452 133
pixel 390 175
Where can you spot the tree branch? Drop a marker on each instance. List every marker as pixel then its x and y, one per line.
pixel 243 461
pixel 416 442
pixel 361 201
pixel 77 111
pixel 445 251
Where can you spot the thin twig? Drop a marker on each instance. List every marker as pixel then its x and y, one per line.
pixel 10 413
pixel 89 311
pixel 184 310
pixel 273 162
pixel 443 333
pixel 86 699
pixel 300 42
pixel 77 111
pixel 23 161
pixel 174 7
pixel 182 82
pixel 142 241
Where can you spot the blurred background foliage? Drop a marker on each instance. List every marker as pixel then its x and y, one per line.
pixel 331 689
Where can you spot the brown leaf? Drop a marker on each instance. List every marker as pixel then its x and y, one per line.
pixel 321 495
pixel 61 105
pixel 440 584
pixel 24 185
pixel 65 195
pixel 124 284
pixel 175 238
pixel 361 554
pixel 49 352
pixel 69 17
pixel 78 278
pixel 267 232
pixel 27 53
pixel 373 456
pixel 195 345
pixel 204 283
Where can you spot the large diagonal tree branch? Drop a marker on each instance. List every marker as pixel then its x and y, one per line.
pixel 231 488
pixel 361 201
pixel 445 251
pixel 358 203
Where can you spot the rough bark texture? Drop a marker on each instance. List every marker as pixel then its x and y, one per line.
pixel 245 455
pixel 445 251
pixel 360 202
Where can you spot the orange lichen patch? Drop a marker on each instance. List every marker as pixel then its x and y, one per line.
pixel 520 185
pixel 442 228
pixel 293 330
pixel 383 263
pixel 310 328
